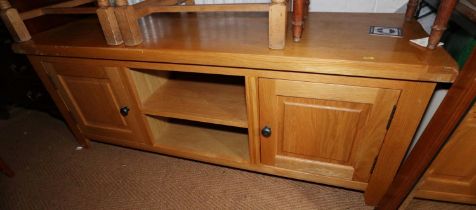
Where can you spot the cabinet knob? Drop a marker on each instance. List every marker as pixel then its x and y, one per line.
pixel 266 131
pixel 124 111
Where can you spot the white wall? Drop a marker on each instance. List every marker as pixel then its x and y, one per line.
pixel 387 6
pixel 229 1
pixel 381 6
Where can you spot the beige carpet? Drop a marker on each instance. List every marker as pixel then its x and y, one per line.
pixel 51 174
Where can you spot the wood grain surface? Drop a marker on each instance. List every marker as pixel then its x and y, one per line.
pixel 453 108
pixel 336 43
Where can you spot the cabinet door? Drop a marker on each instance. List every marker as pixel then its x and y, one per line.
pixel 326 129
pixel 452 176
pixel 97 99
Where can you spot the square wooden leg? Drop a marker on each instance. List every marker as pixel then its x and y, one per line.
pixel 277 24
pixel 109 26
pixel 128 24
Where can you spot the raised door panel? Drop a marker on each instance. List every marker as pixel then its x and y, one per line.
pixel 94 101
pixel 322 137
pixel 95 95
pixel 326 129
pixel 452 176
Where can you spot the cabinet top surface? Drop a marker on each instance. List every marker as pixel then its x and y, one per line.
pixel 332 43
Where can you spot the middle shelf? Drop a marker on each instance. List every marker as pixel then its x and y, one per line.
pixel 217 99
pixel 202 139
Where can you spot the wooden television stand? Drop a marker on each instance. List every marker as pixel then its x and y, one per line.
pixel 339 108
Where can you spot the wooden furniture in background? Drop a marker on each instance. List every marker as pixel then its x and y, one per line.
pixel 120 25
pixel 128 15
pixel 300 7
pixel 15 20
pixel 442 17
pixel 346 106
pixel 300 11
pixel 452 175
pixel 459 99
pixel 468 9
pixel 109 24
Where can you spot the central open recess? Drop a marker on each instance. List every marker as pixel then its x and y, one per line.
pixel 195 113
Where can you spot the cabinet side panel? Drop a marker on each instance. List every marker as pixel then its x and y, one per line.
pixel 452 176
pixel 73 126
pixel 410 109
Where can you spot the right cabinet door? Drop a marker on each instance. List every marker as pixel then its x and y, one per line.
pixel 332 130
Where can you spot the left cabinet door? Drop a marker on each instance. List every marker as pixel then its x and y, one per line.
pixel 98 99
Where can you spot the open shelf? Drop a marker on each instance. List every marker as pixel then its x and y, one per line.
pixel 206 98
pixel 209 140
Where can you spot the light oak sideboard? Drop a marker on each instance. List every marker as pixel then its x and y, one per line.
pixel 339 108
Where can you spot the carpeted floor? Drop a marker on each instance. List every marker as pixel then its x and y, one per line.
pixel 52 174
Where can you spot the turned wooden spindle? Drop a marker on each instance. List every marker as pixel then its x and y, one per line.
pixel 412 6
pixel 109 24
pixel 300 12
pixel 439 26
pixel 128 24
pixel 14 22
pixel 298 19
pixel 277 24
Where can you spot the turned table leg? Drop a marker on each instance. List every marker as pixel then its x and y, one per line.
pixel 298 19
pixel 444 13
pixel 411 9
pixel 128 24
